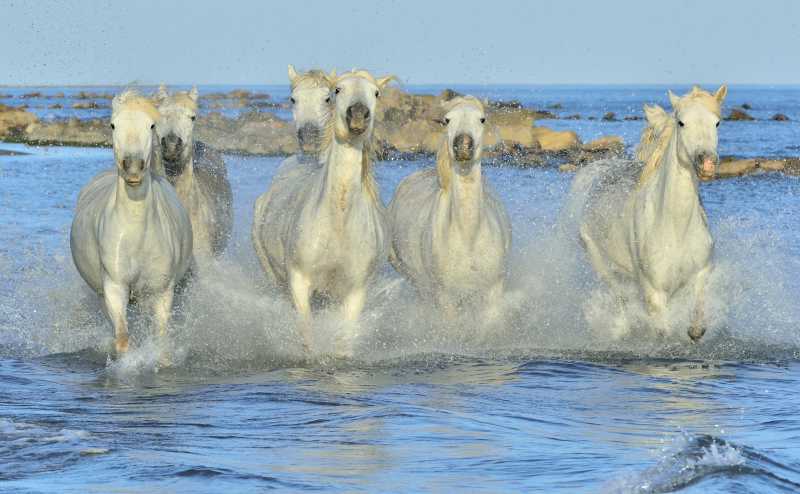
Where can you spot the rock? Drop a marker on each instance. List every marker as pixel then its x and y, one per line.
pixel 780 117
pixel 55 106
pixel 568 168
pixel 591 118
pixel 13 121
pixel 87 105
pixel 738 115
pixel 515 104
pixel 35 94
pixel 736 168
pixel 792 166
pixel 72 132
pixel 251 133
pixel 554 140
pixel 633 118
pixel 555 106
pixel 6 96
pixel 573 117
pixel 746 106
pixel 605 143
pixel 610 117
pixel 772 165
pixel 91 95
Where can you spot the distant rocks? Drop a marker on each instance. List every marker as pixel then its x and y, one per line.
pixel 92 95
pixel 746 106
pixel 574 116
pixel 610 117
pixel 14 121
pixel 633 118
pixel 72 132
pixel 88 105
pixel 779 117
pixel 737 115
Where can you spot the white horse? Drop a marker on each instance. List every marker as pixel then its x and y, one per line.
pixel 131 237
pixel 197 173
pixel 322 229
pixel 657 237
pixel 450 232
pixel 311 107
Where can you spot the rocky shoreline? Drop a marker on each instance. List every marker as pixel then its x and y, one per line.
pixel 407 127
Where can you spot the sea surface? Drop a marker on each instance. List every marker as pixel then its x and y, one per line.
pixel 548 403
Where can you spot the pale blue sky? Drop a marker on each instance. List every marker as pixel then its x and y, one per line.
pixel 486 42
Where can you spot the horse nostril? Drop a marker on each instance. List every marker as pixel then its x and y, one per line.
pixel 163 141
pixel 463 141
pixel 125 163
pixel 180 141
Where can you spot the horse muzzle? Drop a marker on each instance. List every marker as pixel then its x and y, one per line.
pixel 463 147
pixel 706 165
pixel 171 147
pixel 308 137
pixel 357 117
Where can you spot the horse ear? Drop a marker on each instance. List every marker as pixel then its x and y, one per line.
pixel 383 81
pixel 331 78
pixel 673 98
pixel 194 93
pixel 292 73
pixel 720 94
pixel 162 93
pixel 655 115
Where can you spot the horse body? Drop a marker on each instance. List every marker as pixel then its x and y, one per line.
pixel 131 236
pixel 197 173
pixel 450 232
pixel 321 228
pixel 659 239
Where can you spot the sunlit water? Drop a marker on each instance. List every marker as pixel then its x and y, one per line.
pixel 548 402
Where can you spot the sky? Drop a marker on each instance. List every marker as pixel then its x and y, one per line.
pixel 422 42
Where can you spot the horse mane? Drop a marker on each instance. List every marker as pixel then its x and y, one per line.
pixel 182 99
pixel 314 78
pixel 443 160
pixel 131 100
pixel 367 154
pixel 443 163
pixel 654 142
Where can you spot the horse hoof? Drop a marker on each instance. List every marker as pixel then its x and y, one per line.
pixel 695 333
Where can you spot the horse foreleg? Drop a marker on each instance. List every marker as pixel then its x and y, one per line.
pixel 352 306
pixel 494 303
pixel 698 329
pixel 162 310
pixel 656 302
pixel 300 288
pixel 621 326
pixel 116 297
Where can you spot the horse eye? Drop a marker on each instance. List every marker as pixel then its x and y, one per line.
pixel 152 126
pixel 680 123
pixel 292 100
pixel 112 127
pixel 377 94
pixel 447 121
pixel 193 117
pixel 328 99
pixel 483 119
pixel 717 123
pixel 338 90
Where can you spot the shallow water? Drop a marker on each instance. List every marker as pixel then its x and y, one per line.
pixel 548 403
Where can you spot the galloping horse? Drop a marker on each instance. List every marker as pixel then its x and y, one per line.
pixel 322 229
pixel 131 237
pixel 658 237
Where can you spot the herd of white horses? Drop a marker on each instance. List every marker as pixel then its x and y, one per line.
pixel 320 229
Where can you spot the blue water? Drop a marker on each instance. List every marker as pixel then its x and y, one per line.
pixel 549 404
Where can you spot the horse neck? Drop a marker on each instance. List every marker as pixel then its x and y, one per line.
pixel 676 189
pixel 184 182
pixel 136 205
pixel 342 176
pixel 465 197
